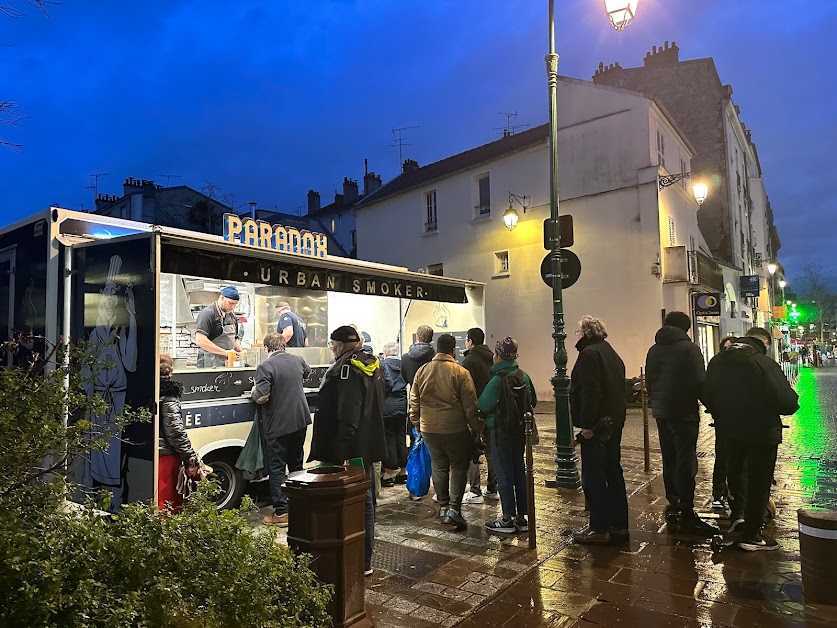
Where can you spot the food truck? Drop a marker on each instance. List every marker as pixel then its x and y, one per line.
pixel 133 291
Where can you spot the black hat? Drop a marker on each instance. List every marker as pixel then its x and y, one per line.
pixel 345 333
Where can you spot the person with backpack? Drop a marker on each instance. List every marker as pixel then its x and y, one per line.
pixel 747 392
pixel 395 415
pixel 597 404
pixel 507 397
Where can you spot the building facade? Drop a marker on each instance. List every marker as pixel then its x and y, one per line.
pixel 447 218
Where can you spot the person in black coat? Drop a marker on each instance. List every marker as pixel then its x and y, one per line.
pixel 597 404
pixel 395 417
pixel 674 377
pixel 349 420
pixel 285 418
pixel 747 392
pixel 174 447
pixel 419 353
pixel 478 360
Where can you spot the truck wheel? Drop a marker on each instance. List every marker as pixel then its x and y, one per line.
pixel 228 477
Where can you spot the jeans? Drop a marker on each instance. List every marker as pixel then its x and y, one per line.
pixel 603 482
pixel 750 474
pixel 450 456
pixel 474 469
pixel 511 473
pixel 678 446
pixel 719 472
pixel 396 439
pixel 284 451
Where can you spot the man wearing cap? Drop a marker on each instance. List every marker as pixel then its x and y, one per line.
pixel 291 326
pixel 349 419
pixel 217 330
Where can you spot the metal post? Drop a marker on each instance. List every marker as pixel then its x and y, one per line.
pixel 530 480
pixel 646 444
pixel 566 471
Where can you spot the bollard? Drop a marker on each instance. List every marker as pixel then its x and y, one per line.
pixel 818 554
pixel 530 480
pixel 646 444
pixel 325 520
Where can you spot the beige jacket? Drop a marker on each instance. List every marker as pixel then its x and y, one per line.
pixel 443 399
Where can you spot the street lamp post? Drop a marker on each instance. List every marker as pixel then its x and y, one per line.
pixel 621 13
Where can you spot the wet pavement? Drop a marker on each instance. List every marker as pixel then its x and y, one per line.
pixel 427 574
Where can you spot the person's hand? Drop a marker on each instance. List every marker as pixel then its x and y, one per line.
pixel 130 305
pixel 588 434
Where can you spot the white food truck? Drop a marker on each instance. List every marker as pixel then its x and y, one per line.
pixel 135 290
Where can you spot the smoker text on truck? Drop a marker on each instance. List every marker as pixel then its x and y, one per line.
pixel 133 291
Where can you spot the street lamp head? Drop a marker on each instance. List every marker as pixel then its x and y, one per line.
pixel 510 217
pixel 772 267
pixel 782 283
pixel 621 12
pixel 700 190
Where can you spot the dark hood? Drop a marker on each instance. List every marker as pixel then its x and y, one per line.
pixel 393 363
pixel 669 334
pixel 420 351
pixel 170 388
pixel 586 341
pixel 482 352
pixel 748 343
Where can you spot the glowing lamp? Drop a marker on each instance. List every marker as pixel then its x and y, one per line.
pixel 510 217
pixel 621 12
pixel 772 267
pixel 700 190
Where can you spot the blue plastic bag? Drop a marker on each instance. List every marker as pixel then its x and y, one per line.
pixel 418 468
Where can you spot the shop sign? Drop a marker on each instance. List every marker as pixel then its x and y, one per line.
pixel 263 235
pixel 748 286
pixel 708 304
pixel 225 267
pixel 780 311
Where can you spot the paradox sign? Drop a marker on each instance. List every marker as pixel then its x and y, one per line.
pixel 570 268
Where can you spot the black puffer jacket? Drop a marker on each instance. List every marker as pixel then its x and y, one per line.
pixel 479 361
pixel 174 441
pixel 746 392
pixel 674 375
pixel 395 402
pixel 597 384
pixel 350 407
pixel 418 355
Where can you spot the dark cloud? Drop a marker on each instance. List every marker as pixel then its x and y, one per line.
pixel 269 99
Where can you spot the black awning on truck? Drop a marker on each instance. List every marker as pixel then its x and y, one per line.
pixel 294 271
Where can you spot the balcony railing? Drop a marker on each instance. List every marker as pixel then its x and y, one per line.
pixel 482 210
pixel 430 226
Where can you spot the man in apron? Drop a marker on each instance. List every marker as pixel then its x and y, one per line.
pixel 217 330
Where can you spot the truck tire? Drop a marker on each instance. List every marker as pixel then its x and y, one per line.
pixel 233 485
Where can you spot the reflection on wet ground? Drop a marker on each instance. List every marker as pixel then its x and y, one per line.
pixel 429 575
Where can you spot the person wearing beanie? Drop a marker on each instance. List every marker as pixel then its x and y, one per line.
pixel 217 331
pixel 349 421
pixel 674 374
pixel 508 441
pixel 597 404
pixel 443 408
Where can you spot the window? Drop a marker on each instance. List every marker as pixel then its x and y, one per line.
pixel 435 269
pixel 354 239
pixel 672 233
pixel 682 169
pixel 661 148
pixel 501 263
pixel 483 206
pixel 333 225
pixel 430 211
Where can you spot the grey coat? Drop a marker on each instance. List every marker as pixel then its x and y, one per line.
pixel 280 379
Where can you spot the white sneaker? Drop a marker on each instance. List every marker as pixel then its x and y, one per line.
pixel 472 498
pixel 435 499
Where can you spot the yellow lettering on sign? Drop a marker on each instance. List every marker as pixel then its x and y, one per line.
pixel 232 227
pixel 320 245
pixel 280 238
pixel 251 233
pixel 283 277
pixel 300 278
pixel 265 235
pixel 307 243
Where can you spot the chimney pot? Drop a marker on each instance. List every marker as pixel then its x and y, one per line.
pixel 654 49
pixel 313 201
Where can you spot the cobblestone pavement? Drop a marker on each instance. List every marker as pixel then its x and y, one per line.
pixel 428 575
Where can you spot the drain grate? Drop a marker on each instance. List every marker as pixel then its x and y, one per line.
pixel 407 561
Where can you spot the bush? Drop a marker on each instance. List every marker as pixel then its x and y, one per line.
pixel 64 566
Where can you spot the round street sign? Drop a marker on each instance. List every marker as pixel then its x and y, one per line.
pixel 570 268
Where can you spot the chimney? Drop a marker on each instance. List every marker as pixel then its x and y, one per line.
pixel 409 165
pixel 313 201
pixel 605 73
pixel 349 190
pixel 371 182
pixel 664 55
pixel 252 205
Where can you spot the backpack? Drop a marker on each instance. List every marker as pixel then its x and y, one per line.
pixel 513 403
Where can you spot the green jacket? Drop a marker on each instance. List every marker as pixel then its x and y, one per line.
pixel 490 397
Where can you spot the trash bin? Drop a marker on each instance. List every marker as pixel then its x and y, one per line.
pixel 326 520
pixel 818 554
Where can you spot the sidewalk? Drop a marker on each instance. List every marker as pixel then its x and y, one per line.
pixel 428 575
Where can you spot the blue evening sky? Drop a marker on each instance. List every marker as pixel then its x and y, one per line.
pixel 267 99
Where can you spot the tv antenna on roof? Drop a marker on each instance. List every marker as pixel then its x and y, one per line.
pixel 510 128
pixel 168 177
pixel 400 143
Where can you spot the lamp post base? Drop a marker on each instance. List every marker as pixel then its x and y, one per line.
pixel 566 470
